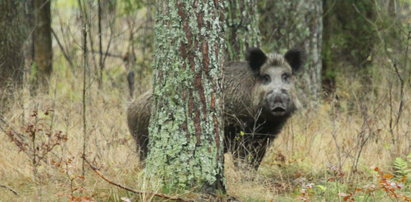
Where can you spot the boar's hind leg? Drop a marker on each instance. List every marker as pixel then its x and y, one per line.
pixel 142 147
pixel 143 153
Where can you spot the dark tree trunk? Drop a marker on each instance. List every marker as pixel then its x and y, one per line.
pixel 13 33
pixel 43 52
pixel 186 127
pixel 328 71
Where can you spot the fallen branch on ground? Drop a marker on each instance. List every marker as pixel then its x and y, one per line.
pixel 132 190
pixel 9 188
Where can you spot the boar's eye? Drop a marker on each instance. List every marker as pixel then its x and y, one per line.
pixel 265 79
pixel 286 77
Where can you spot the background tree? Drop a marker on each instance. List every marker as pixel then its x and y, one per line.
pixel 242 29
pixel 288 24
pixel 43 52
pixel 186 127
pixel 348 37
pixel 108 9
pixel 12 36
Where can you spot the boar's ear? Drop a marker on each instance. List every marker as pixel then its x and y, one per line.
pixel 295 59
pixel 255 58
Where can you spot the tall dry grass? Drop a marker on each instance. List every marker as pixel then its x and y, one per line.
pixel 331 147
pixel 347 135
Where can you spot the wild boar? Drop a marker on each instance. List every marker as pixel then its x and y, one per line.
pixel 259 97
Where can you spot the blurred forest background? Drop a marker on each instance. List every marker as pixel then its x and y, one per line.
pixel 68 69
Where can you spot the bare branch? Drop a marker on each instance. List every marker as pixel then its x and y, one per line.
pixel 114 55
pixel 62 49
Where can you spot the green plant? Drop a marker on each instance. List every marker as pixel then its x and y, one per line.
pixel 401 167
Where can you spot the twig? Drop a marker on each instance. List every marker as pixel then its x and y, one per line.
pixel 130 189
pixel 100 47
pixel 394 65
pixel 114 55
pixel 108 44
pixel 84 18
pixel 334 135
pixel 406 58
pixel 9 188
pixel 62 49
pixel 18 139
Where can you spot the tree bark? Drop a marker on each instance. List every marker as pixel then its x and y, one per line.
pixel 289 24
pixel 186 126
pixel 12 36
pixel 328 70
pixel 43 52
pixel 242 29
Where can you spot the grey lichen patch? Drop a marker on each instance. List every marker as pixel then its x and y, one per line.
pixel 183 150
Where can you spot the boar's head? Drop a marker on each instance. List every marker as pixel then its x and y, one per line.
pixel 274 90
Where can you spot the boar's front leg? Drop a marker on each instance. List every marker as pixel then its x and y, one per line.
pixel 249 148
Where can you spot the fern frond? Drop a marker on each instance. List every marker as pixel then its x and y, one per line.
pixel 400 167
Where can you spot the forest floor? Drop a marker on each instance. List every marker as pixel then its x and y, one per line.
pixel 356 147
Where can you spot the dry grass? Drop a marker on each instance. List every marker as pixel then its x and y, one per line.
pixel 314 147
pixel 109 144
pixel 329 149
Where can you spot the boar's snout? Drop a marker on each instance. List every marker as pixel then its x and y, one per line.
pixel 278 102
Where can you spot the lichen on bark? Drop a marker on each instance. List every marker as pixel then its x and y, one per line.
pixel 186 127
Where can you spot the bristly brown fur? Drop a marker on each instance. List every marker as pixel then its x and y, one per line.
pixel 276 60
